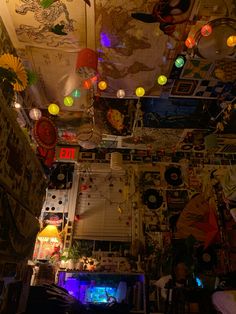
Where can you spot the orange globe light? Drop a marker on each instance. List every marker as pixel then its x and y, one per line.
pixel 206 30
pixel 102 85
pixel 53 109
pixel 87 84
pixel 231 41
pixel 190 42
pixel 140 91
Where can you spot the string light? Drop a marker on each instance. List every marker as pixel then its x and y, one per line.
pixel 140 91
pixel 231 41
pixel 53 109
pixel 179 62
pixel 206 30
pixel 68 101
pixel 162 80
pixel 76 93
pixel 102 85
pixel 35 114
pixel 190 42
pixel 120 93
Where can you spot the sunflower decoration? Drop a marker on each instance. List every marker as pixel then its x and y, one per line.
pixel 12 63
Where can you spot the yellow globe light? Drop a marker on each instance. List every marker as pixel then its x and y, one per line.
pixel 120 93
pixel 53 109
pixel 68 101
pixel 102 85
pixel 231 41
pixel 162 80
pixel 140 91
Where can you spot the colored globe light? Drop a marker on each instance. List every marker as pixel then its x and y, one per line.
pixel 53 109
pixel 76 93
pixel 190 42
pixel 35 114
pixel 162 80
pixel 206 30
pixel 179 62
pixel 87 84
pixel 120 93
pixel 102 85
pixel 68 101
pixel 231 41
pixel 140 91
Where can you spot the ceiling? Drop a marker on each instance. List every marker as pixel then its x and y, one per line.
pixel 134 42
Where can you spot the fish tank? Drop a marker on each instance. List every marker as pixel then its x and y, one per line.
pixel 92 288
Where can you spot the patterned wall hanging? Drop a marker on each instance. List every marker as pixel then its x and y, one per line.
pixel 196 69
pixel 45 133
pixel 184 88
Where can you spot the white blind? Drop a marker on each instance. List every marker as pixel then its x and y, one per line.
pixel 103 207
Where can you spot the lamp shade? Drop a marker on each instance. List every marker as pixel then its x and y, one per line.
pixel 87 62
pixel 49 233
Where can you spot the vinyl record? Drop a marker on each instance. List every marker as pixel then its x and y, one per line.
pixel 206 259
pixel 173 176
pixel 152 198
pixel 186 147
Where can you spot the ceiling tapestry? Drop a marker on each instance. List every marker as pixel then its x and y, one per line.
pixel 61 25
pixel 126 43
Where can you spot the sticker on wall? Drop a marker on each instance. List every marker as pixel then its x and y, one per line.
pixel 184 87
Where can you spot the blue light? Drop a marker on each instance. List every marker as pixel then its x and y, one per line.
pixel 199 282
pixel 105 40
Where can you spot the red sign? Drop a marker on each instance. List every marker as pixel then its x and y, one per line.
pixel 67 153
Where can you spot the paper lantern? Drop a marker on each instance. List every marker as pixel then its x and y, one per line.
pixel 140 91
pixel 87 62
pixel 49 233
pixel 231 41
pixel 87 84
pixel 76 93
pixel 89 136
pixel 206 30
pixel 162 80
pixel 68 101
pixel 120 93
pixel 116 161
pixel 190 42
pixel 53 109
pixel 35 114
pixel 179 62
pixel 102 85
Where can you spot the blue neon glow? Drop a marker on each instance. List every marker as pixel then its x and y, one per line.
pixel 105 40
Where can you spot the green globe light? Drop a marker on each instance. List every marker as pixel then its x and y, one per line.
pixel 76 93
pixel 179 62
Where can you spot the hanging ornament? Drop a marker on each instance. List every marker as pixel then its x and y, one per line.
pixel 206 30
pixel 53 109
pixel 140 91
pixel 102 85
pixel 179 62
pixel 87 62
pixel 89 136
pixel 87 84
pixel 231 41
pixel 190 42
pixel 76 93
pixel 162 80
pixel 68 101
pixel 35 114
pixel 120 93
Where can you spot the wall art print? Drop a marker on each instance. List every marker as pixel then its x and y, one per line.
pixel 184 87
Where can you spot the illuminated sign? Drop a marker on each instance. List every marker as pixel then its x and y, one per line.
pixel 67 153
